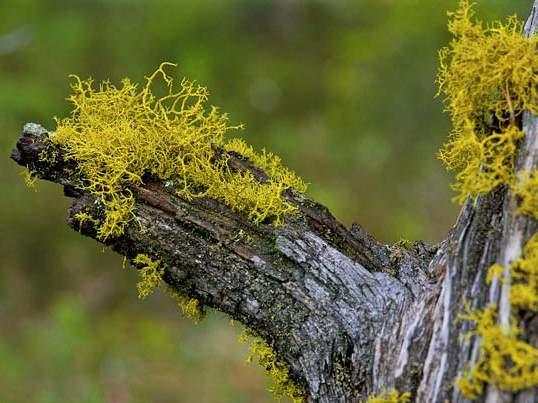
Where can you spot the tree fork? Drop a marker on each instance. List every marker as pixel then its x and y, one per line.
pixel 349 315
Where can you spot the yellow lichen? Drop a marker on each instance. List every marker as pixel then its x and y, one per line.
pixel 150 275
pixel 282 384
pixel 268 162
pixel 82 217
pixel 526 190
pixel 190 307
pixel 487 77
pixel 117 135
pixel 482 162
pixel 390 396
pixel 493 272
pixel 524 292
pixel 29 179
pixel 504 360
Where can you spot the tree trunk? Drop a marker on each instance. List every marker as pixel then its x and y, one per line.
pixel 349 315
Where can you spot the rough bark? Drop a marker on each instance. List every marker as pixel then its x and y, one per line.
pixel 348 314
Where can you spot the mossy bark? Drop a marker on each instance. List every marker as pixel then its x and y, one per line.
pixel 349 315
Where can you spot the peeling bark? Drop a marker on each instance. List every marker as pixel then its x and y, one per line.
pixel 349 315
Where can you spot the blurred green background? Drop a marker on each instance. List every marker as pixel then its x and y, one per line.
pixel 342 90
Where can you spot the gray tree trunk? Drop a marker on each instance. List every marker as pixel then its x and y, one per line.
pixel 348 314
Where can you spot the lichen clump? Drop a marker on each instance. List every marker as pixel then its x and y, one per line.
pixel 390 396
pixel 282 384
pixel 120 135
pixel 505 361
pixel 150 272
pixel 487 77
pixel 150 275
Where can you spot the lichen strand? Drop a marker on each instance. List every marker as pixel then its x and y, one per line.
pixel 282 384
pixel 505 361
pixel 390 396
pixel 29 179
pixel 189 307
pixel 117 135
pixel 150 275
pixel 487 78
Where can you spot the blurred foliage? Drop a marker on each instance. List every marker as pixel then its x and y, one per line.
pixel 342 90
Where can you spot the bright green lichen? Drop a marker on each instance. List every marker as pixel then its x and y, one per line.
pixel 390 396
pixel 150 275
pixel 282 385
pixel 487 77
pixel 118 135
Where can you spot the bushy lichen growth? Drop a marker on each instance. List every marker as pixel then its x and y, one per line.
pixel 505 361
pixel 282 384
pixel 117 135
pixel 268 162
pixel 150 275
pixel 390 396
pixel 488 78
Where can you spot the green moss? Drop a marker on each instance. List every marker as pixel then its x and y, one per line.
pixel 282 384
pixel 390 396
pixel 487 78
pixel 119 134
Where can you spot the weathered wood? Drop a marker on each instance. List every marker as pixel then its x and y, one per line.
pixel 319 293
pixel 348 314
